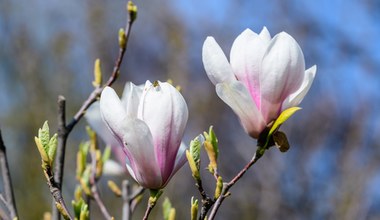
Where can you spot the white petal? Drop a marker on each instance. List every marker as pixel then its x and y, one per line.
pixel 246 55
pixel 237 97
pixel 165 111
pixel 131 98
pixel 265 35
pixel 282 73
pixel 112 111
pixel 94 119
pixel 296 98
pixel 215 62
pixel 112 168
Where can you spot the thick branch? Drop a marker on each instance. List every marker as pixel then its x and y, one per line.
pixel 6 176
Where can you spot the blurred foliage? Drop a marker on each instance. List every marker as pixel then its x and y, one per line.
pixel 331 169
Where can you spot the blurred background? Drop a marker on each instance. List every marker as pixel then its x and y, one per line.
pixel 332 171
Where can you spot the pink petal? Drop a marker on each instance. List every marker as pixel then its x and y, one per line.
pixel 138 145
pixel 236 95
pixel 165 112
pixel 215 62
pixel 246 54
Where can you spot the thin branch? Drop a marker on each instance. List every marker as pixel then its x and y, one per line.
pixel 207 201
pixel 64 130
pixel 94 188
pixel 127 211
pixel 258 154
pixel 6 176
pixel 4 214
pixel 56 193
pixel 148 210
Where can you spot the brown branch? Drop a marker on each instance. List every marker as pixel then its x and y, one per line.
pixel 56 193
pixel 7 181
pixel 148 210
pixel 259 153
pixel 207 201
pixel 94 188
pixel 64 130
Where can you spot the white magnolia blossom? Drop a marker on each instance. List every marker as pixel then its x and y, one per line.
pixel 149 123
pixel 264 76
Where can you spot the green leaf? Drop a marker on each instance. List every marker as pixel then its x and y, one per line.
pixel 106 154
pixel 195 149
pixel 194 208
pixel 284 116
pixel 52 149
pixel 193 166
pixel 166 207
pixel 212 150
pixel 44 136
pixel 168 210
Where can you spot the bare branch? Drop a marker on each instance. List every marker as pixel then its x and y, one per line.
pixel 6 176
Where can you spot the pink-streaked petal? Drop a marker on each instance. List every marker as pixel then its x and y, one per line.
pixel 112 111
pixel 138 146
pixel 215 62
pixel 165 111
pixel 282 73
pixel 179 161
pixel 265 35
pixel 131 98
pixel 246 55
pixel 296 98
pixel 94 119
pixel 236 95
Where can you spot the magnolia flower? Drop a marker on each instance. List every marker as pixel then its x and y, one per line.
pixel 264 77
pixel 149 123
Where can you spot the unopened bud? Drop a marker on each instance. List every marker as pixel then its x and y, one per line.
pixel 132 10
pixel 122 39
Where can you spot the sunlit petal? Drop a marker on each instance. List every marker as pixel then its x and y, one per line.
pixel 215 62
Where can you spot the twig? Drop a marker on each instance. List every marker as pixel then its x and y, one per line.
pixel 207 201
pixel 56 192
pixel 94 188
pixel 127 211
pixel 259 153
pixel 6 176
pixel 64 130
pixel 4 214
pixel 130 200
pixel 148 210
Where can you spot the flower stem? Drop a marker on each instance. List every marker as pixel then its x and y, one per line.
pixel 258 154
